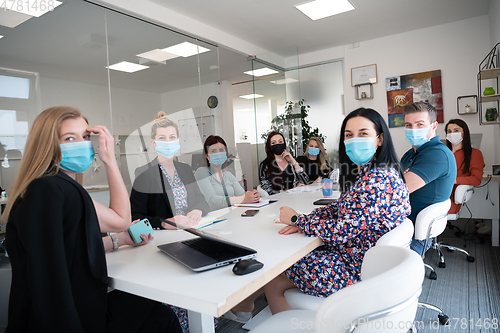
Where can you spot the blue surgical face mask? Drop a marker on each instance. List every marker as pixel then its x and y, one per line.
pixel 167 148
pixel 360 150
pixel 417 137
pixel 76 156
pixel 313 151
pixel 218 159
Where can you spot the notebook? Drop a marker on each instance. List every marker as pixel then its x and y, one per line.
pixel 261 203
pixel 206 252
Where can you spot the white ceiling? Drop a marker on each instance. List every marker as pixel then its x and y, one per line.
pixel 69 42
pixel 276 24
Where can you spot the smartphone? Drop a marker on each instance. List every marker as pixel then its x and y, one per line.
pixel 250 212
pixel 143 227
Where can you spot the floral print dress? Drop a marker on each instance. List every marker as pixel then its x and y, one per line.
pixel 377 202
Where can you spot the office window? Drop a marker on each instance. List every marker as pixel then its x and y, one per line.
pixel 14 87
pixel 13 130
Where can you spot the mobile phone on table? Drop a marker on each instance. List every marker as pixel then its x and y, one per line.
pixel 250 212
pixel 143 227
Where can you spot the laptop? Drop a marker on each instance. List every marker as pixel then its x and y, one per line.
pixel 206 252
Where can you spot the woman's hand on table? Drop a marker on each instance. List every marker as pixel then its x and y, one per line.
pixel 194 216
pixel 286 214
pixel 251 197
pixel 182 221
pixel 288 230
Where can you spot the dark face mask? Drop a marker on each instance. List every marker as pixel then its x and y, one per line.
pixel 278 149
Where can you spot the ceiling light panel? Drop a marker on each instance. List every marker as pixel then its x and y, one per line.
pixel 185 49
pixel 158 55
pixel 1 36
pixel 319 9
pixel 261 72
pixel 34 8
pixel 251 96
pixel 128 67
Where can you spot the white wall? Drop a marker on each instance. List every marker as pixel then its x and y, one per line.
pixel 455 48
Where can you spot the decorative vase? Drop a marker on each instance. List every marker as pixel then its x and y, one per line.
pixel 468 109
pixel 488 91
pixel 491 114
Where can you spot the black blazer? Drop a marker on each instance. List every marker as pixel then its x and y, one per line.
pixel 59 276
pixel 149 199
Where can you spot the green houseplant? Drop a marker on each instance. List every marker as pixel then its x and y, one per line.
pixel 295 112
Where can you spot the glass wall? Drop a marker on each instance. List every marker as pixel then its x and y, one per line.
pixel 68 56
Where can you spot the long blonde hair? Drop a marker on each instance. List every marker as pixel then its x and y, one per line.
pixel 41 153
pixel 321 155
pixel 162 121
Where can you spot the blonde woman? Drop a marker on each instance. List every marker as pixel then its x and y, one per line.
pixel 59 277
pixel 314 161
pixel 165 188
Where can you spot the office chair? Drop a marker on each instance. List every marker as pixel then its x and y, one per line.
pixel 463 193
pixel 400 236
pixel 430 223
pixel 388 293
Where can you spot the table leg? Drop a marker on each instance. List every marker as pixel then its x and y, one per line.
pixel 199 322
pixel 494 232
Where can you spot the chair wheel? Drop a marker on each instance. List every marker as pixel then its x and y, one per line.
pixel 442 265
pixel 433 276
pixel 444 319
pixel 471 259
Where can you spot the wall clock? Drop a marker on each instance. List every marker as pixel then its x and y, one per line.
pixel 212 102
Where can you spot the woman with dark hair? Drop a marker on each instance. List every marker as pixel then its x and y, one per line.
pixel 279 171
pixel 470 162
pixel 219 186
pixel 376 200
pixel 314 161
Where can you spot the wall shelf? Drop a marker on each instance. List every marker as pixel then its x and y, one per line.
pixel 489 69
pixel 491 73
pixel 490 98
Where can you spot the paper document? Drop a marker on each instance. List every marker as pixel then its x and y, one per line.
pixel 261 203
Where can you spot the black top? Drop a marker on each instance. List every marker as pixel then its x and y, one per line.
pixel 153 199
pixel 312 168
pixel 59 276
pixel 284 180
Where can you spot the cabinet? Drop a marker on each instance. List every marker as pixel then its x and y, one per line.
pixel 488 70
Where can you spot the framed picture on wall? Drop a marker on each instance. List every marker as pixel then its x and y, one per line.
pixel 364 75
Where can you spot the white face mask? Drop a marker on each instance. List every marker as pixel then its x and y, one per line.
pixel 454 138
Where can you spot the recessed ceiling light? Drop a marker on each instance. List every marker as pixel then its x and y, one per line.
pixel 34 7
pixel 284 81
pixel 128 67
pixel 185 49
pixel 157 55
pixel 319 9
pixel 250 96
pixel 261 72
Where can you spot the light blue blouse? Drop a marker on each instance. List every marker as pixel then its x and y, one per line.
pixel 212 189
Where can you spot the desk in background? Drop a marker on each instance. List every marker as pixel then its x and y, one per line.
pixel 485 204
pixel 147 272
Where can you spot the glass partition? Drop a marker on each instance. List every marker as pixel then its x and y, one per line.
pixel 69 56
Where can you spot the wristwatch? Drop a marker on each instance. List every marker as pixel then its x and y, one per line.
pixel 294 220
pixel 114 238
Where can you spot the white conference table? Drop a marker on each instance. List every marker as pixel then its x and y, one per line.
pixel 147 272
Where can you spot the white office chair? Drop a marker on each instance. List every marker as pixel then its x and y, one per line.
pixel 400 236
pixel 391 283
pixel 430 223
pixel 463 193
pixel 262 192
